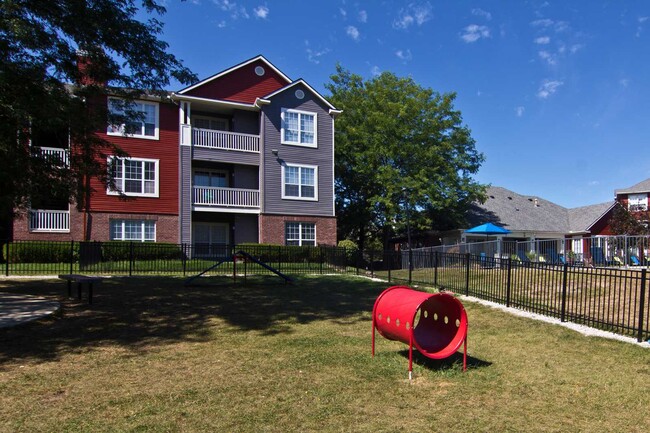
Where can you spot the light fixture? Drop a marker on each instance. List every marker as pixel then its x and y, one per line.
pixel 275 152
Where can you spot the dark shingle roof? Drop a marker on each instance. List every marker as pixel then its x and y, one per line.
pixel 518 212
pixel 643 186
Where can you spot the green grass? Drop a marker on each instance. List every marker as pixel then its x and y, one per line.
pixel 153 355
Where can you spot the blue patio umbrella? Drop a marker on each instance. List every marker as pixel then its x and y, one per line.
pixel 488 229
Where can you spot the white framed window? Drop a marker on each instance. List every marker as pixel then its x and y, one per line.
pixel 134 176
pixel 302 234
pixel 637 202
pixel 145 123
pixel 300 182
pixel 298 128
pixel 133 230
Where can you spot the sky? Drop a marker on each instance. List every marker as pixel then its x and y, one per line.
pixel 556 93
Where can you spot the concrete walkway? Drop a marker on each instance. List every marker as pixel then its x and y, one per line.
pixel 17 309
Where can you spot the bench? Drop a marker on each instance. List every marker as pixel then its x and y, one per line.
pixel 80 280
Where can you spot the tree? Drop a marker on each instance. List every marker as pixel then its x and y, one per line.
pixel 401 152
pixel 622 222
pixel 41 42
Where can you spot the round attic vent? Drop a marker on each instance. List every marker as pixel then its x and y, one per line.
pixel 259 70
pixel 300 94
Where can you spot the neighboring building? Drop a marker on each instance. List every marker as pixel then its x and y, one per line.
pixel 246 155
pixel 635 199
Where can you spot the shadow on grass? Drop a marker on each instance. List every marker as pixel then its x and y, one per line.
pixel 455 361
pixel 140 312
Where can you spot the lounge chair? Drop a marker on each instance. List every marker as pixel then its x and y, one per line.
pixel 635 260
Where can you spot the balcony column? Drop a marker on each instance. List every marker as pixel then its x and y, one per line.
pixel 185 123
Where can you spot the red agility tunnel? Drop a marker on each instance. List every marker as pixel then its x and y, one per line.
pixel 435 323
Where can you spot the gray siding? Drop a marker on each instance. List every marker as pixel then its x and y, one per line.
pixel 185 198
pixel 246 122
pixel 226 156
pixel 246 229
pixel 322 156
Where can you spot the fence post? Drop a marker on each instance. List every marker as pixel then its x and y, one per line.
pixel 509 282
pixel 184 254
pixel 279 258
pixel 131 259
pixel 565 273
pixel 321 259
pixel 435 269
pixel 639 337
pixel 71 256
pixel 410 265
pixel 390 262
pixel 467 256
pixel 8 249
pixel 372 263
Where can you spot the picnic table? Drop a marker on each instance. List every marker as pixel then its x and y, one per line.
pixel 81 280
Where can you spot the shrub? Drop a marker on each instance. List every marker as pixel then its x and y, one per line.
pixel 120 251
pixel 351 251
pixel 281 253
pixel 39 252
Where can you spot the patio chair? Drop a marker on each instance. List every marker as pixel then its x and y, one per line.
pixel 597 256
pixel 635 260
pixel 617 261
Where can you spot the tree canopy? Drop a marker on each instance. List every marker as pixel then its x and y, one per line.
pixel 40 43
pixel 622 222
pixel 402 155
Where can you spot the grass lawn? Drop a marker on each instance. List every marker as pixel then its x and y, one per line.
pixel 153 355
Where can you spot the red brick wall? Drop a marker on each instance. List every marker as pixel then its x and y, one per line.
pixel 272 228
pixel 98 226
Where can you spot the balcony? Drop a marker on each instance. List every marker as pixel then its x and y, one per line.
pixel 222 140
pixel 41 220
pixel 53 153
pixel 226 197
pixel 638 207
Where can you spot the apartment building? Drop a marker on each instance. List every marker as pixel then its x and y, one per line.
pixel 246 155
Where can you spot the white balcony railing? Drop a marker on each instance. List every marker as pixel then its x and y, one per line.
pixel 227 197
pixel 49 220
pixel 640 207
pixel 226 140
pixel 53 153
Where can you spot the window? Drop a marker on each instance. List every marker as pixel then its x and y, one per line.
pixel 213 123
pixel 302 234
pixel 144 121
pixel 133 230
pixel 299 182
pixel 637 202
pixel 135 177
pixel 299 128
pixel 211 178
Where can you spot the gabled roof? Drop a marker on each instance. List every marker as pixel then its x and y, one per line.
pixel 234 68
pixel 643 186
pixel 311 89
pixel 518 212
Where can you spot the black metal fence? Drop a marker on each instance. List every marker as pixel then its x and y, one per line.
pixel 616 300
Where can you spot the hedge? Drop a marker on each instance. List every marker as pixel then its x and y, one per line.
pixel 40 252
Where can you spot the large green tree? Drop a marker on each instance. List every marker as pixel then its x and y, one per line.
pixel 402 155
pixel 43 90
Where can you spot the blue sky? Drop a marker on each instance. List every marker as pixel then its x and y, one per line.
pixel 556 93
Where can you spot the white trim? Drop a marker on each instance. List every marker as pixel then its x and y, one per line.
pixel 234 68
pixel 303 82
pixel 221 209
pixel 286 197
pixel 121 132
pixel 155 194
pixel 215 102
pixel 300 114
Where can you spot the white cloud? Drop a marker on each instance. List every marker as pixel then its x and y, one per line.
pixel 474 32
pixel 481 13
pixel 575 48
pixel 231 7
pixel 519 111
pixel 544 22
pixel 261 12
pixel 548 88
pixel 353 32
pixel 404 55
pixel 542 40
pixel 221 24
pixel 624 82
pixel 375 70
pixel 363 16
pixel 413 14
pixel 643 19
pixel 549 58
pixel 593 183
pixel 343 13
